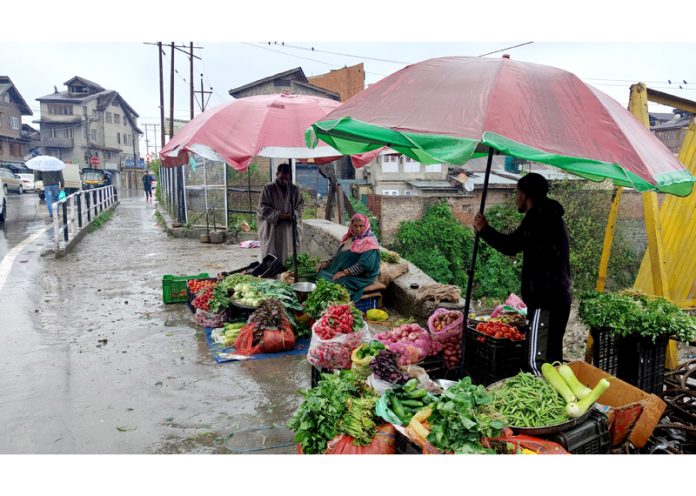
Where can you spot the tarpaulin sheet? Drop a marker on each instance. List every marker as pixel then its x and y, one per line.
pixel 222 354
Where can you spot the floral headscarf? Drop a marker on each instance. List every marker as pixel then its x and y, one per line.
pixel 363 243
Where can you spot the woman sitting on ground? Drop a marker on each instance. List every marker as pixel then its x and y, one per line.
pixel 356 264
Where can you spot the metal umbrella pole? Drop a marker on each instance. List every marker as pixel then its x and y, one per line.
pixel 293 200
pixel 472 266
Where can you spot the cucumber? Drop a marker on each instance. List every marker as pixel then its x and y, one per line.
pixel 417 394
pixel 398 408
pixel 412 403
pixel 411 385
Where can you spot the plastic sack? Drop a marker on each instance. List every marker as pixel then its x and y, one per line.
pixel 408 351
pixel 334 353
pixel 513 304
pixel 533 444
pixel 61 195
pixel 272 341
pixel 449 336
pixel 385 413
pixel 361 366
pixel 384 443
pixel 210 319
pixel 380 387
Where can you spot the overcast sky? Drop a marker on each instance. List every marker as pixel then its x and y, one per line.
pixel 131 67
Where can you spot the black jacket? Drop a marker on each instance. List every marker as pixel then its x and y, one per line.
pixel 543 238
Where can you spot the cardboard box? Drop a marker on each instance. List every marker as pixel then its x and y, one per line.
pixel 633 413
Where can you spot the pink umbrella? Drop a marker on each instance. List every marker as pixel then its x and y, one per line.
pixel 266 125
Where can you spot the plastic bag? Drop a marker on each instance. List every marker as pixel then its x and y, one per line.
pixel 408 351
pixel 361 366
pixel 210 319
pixel 272 341
pixel 424 380
pixel 416 432
pixel 334 353
pixel 384 443
pixel 533 444
pixel 384 412
pixel 378 385
pixel 61 195
pixel 449 336
pixel 513 304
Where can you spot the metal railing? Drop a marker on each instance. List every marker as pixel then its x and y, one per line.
pixel 78 210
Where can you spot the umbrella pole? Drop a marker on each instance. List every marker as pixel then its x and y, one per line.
pixel 294 225
pixel 472 266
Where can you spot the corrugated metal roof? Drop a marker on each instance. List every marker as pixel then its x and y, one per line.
pixel 424 184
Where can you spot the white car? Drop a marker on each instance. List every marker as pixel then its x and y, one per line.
pixel 3 204
pixel 27 181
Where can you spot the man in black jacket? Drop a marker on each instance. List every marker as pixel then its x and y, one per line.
pixel 542 237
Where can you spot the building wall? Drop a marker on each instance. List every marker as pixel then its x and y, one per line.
pixel 672 138
pixel 347 82
pixel 11 148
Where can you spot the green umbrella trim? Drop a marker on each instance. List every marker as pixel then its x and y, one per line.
pixel 350 136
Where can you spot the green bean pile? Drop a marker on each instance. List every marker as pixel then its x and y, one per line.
pixel 529 401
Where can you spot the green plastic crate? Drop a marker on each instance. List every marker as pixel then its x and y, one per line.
pixel 174 287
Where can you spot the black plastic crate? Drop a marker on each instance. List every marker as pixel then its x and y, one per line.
pixel 642 362
pixel 404 446
pixel 605 350
pixel 435 367
pixel 589 438
pixel 487 359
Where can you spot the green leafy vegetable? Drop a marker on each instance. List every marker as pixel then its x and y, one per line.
pixel 326 293
pixel 463 415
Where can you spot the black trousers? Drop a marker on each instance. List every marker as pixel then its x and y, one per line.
pixel 545 339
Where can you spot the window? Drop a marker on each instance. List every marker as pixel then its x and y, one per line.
pixel 15 150
pixel 117 119
pixel 125 139
pixel 390 192
pixel 118 138
pixel 433 168
pixel 109 120
pixel 390 164
pixel 408 192
pixel 84 110
pixel 1 118
pixel 53 132
pixel 93 134
pixel 68 132
pixel 94 113
pixel 60 109
pixel 411 165
pixel 14 122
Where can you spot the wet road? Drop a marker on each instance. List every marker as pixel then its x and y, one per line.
pixel 92 361
pixel 26 216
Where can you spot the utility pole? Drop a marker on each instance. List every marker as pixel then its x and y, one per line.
pixel 191 76
pixel 171 97
pixel 161 82
pixel 203 93
pixel 147 142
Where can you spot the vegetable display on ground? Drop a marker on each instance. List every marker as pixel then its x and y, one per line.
pixel 325 294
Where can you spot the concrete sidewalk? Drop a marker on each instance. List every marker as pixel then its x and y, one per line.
pixel 94 362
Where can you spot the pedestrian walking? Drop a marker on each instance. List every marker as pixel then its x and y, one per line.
pixel 54 183
pixel 148 179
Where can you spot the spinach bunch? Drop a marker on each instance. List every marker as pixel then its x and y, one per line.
pixel 463 415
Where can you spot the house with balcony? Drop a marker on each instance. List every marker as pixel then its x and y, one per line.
pixel 94 127
pixel 14 144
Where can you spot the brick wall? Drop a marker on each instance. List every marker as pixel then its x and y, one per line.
pixel 347 82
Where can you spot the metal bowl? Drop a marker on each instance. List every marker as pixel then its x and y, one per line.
pixel 304 287
pixel 547 429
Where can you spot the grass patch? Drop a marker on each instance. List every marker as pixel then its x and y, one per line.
pixel 99 221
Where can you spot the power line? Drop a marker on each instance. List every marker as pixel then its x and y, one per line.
pixel 305 58
pixel 507 48
pixel 312 49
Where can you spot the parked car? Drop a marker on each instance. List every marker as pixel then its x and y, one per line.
pixel 3 204
pixel 11 181
pixel 71 177
pixel 27 180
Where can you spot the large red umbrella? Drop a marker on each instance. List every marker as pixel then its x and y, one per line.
pixel 265 125
pixel 443 109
